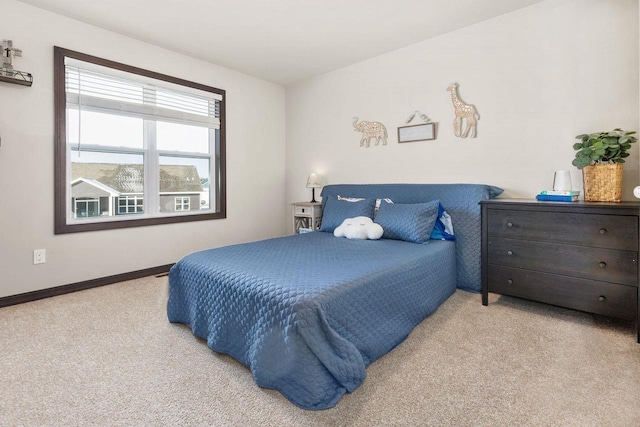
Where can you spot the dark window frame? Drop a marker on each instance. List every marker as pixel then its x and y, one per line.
pixel 60 141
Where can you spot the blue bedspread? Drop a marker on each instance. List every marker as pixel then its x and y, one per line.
pixel 462 202
pixel 308 313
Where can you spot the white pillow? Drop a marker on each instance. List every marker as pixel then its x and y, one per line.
pixel 359 227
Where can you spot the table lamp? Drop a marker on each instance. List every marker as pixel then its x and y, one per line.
pixel 313 182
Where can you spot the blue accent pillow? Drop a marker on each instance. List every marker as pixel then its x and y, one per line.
pixel 408 222
pixel 335 211
pixel 443 228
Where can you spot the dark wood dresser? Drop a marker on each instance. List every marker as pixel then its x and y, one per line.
pixel 579 255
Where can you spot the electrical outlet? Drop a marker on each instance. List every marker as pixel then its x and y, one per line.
pixel 39 256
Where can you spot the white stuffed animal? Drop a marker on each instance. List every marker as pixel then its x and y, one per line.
pixel 360 227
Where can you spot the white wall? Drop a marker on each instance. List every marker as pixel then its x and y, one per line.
pixel 538 77
pixel 255 161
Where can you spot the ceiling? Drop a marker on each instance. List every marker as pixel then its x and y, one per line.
pixel 283 41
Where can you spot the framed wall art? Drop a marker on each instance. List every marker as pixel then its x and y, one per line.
pixel 421 132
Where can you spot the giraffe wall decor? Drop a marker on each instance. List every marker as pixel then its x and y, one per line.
pixel 463 111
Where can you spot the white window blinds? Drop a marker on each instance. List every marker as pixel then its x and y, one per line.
pixel 116 93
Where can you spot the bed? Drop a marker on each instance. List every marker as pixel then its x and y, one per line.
pixel 308 313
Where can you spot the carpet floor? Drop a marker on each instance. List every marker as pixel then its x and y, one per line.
pixel 109 357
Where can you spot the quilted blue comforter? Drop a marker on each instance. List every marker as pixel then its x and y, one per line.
pixel 308 313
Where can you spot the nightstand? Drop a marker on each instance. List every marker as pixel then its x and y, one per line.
pixel 306 215
pixel 579 255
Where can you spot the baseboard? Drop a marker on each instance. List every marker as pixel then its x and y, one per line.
pixel 80 286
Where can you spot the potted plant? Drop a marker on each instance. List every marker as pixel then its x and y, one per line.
pixel 600 156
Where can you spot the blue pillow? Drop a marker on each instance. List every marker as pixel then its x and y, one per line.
pixel 443 228
pixel 411 222
pixel 335 211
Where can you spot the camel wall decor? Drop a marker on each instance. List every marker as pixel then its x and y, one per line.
pixel 463 111
pixel 370 130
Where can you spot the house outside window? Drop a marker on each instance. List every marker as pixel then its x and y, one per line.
pixel 130 141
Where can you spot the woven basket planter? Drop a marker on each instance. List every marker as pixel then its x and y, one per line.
pixel 602 183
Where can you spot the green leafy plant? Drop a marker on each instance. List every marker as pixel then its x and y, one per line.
pixel 603 147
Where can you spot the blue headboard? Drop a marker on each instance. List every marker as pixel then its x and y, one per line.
pixel 461 201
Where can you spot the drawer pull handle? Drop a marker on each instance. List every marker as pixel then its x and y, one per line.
pixel 509 224
pixel 603 231
pixel 509 253
pixel 602 298
pixel 602 264
pixel 510 281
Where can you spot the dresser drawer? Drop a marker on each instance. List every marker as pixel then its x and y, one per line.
pixel 306 210
pixel 609 265
pixel 602 231
pixel 608 299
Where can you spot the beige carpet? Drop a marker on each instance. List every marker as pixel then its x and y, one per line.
pixel 108 356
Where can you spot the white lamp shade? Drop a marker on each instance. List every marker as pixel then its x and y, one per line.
pixel 313 181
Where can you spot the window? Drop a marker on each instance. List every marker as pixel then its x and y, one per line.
pixel 182 203
pixel 134 147
pixel 130 204
pixel 86 207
